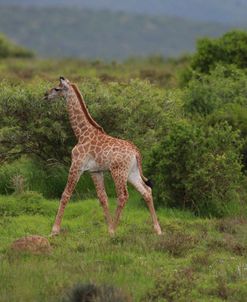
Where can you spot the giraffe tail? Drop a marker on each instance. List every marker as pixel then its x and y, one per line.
pixel 147 181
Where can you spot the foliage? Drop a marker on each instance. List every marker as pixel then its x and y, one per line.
pixel 198 168
pixel 224 85
pixel 33 126
pixel 174 287
pixel 236 116
pixel 9 49
pixel 132 100
pixel 26 127
pixel 28 203
pixel 220 96
pixel 231 48
pixel 176 243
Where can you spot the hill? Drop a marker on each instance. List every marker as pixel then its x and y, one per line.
pixel 225 11
pixel 73 32
pixel 10 49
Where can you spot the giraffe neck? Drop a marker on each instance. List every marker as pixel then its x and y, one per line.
pixel 80 119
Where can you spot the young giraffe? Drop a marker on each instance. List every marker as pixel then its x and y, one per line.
pixel 97 152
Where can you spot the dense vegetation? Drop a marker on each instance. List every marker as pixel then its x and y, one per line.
pixel 189 119
pixel 193 139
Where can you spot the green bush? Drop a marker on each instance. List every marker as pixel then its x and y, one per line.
pixel 198 168
pixel 29 203
pixel 177 286
pixel 224 85
pixel 40 130
pixel 33 126
pixel 236 116
pixel 231 48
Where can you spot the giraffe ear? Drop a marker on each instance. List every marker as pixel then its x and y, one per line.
pixel 63 82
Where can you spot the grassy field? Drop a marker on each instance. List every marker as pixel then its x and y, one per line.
pixel 194 260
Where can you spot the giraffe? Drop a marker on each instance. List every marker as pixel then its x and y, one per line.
pixel 97 152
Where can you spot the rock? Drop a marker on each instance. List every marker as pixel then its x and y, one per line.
pixel 34 244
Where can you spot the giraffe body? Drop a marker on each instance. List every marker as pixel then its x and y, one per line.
pixel 97 152
pixel 103 153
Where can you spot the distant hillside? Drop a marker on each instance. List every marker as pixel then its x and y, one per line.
pixel 232 12
pixel 9 49
pixel 85 33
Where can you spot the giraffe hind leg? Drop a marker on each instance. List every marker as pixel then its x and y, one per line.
pixel 120 179
pixel 135 179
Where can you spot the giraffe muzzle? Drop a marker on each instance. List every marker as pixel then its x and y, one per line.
pixel 45 96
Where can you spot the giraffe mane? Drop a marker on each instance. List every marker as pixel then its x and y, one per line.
pixel 85 110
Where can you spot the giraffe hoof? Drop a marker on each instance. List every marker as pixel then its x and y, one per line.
pixel 111 232
pixel 54 232
pixel 158 230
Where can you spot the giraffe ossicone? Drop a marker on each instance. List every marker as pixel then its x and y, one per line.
pixel 97 152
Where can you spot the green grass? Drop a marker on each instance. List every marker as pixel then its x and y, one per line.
pixel 194 260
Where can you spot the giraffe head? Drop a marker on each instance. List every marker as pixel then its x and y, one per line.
pixel 59 91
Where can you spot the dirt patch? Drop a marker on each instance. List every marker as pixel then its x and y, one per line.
pixel 34 244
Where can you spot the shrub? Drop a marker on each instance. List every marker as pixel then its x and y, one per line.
pixel 33 126
pixel 26 203
pixel 201 261
pixel 231 48
pixel 228 243
pixel 236 116
pixel 40 130
pixel 176 244
pixel 207 93
pixel 197 168
pixel 27 126
pixel 230 225
pixel 177 286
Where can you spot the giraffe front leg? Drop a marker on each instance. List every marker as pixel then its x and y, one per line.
pixel 98 179
pixel 73 178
